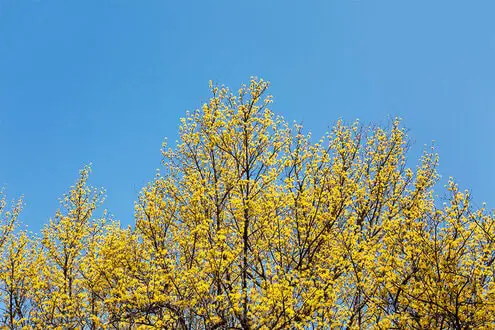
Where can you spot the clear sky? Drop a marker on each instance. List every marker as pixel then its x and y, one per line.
pixel 104 81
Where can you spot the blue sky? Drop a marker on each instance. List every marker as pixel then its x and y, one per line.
pixel 104 81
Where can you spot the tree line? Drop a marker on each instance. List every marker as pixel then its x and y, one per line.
pixel 253 224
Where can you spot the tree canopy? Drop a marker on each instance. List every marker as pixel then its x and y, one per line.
pixel 253 224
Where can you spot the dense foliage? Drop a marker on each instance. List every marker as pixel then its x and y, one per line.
pixel 251 225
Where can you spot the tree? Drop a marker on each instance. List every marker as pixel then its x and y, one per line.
pixel 62 297
pixel 252 225
pixel 15 267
